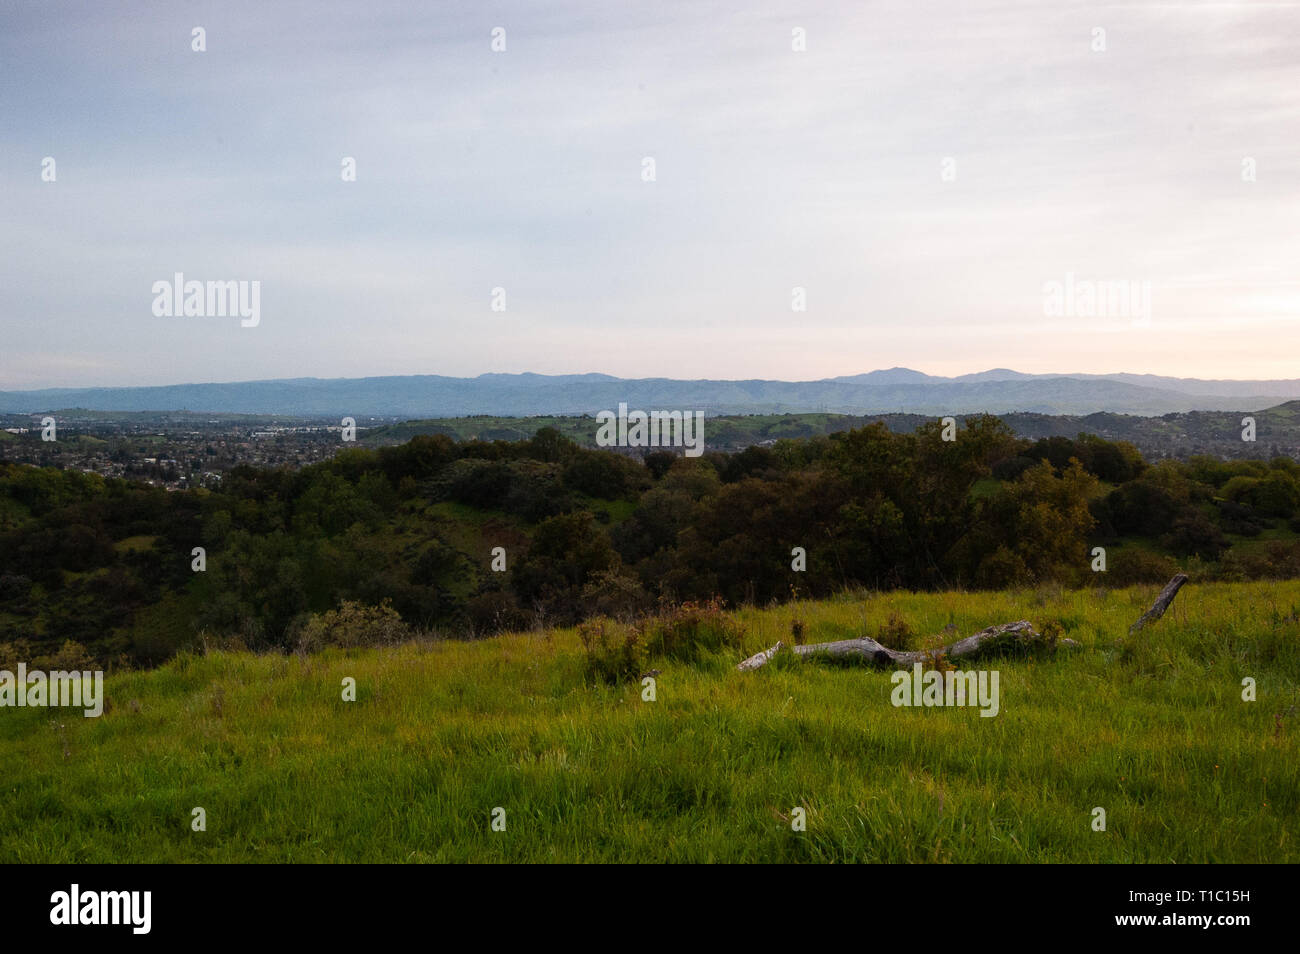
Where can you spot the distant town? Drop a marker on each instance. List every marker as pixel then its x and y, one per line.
pixel 172 450
pixel 182 449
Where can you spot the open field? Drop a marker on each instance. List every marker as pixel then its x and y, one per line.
pixel 1153 729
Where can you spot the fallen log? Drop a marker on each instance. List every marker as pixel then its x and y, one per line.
pixel 1161 604
pixel 1020 633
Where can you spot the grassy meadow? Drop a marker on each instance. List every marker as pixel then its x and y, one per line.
pixel 1153 729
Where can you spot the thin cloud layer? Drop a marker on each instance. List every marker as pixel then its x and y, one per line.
pixel 522 170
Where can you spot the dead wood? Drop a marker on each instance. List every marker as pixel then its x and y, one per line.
pixel 1020 633
pixel 1161 604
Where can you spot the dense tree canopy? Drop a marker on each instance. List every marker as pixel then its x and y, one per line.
pixel 475 536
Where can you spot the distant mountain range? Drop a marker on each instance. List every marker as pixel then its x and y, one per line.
pixel 896 390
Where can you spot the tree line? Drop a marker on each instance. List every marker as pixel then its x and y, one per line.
pixel 476 537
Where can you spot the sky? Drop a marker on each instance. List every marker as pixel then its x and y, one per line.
pixel 924 171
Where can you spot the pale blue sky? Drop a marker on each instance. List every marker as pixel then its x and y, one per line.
pixel 522 169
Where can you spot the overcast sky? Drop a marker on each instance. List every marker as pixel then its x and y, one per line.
pixel 523 169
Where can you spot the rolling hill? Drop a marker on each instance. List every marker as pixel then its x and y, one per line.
pixel 896 390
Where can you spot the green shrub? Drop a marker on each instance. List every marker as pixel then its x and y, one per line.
pixel 1002 569
pixel 614 593
pixel 797 629
pixel 895 633
pixel 1278 560
pixel 495 611
pixel 71 655
pixel 691 629
pixel 614 652
pixel 1052 632
pixel 353 625
pixel 1128 567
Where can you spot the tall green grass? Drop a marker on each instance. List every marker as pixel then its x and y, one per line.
pixel 1153 730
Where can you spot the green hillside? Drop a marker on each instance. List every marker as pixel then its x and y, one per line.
pixel 1152 729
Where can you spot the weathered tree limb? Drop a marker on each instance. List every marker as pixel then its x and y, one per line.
pixel 762 659
pixel 1020 632
pixel 1161 604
